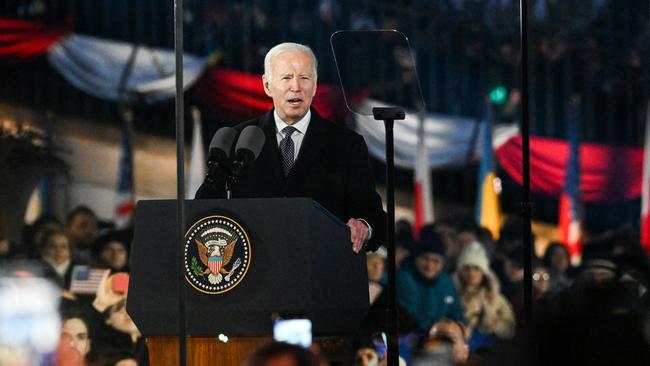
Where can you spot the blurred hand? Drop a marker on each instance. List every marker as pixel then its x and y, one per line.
pixel 358 234
pixel 105 296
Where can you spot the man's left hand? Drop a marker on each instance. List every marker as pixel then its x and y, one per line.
pixel 358 234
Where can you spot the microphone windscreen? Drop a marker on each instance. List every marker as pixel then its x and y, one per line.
pixel 252 139
pixel 221 143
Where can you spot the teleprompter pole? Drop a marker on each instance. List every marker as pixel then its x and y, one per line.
pixel 389 115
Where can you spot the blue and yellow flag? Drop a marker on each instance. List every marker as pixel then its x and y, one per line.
pixel 488 207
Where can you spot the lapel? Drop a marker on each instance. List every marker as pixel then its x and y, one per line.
pixel 311 149
pixel 270 151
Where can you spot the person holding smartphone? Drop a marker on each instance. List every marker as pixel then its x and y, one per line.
pixel 111 326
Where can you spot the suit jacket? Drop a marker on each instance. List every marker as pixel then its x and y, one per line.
pixel 332 167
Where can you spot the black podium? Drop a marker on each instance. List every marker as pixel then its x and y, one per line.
pixel 301 265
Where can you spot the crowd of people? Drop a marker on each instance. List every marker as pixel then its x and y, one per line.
pixel 95 327
pixel 460 297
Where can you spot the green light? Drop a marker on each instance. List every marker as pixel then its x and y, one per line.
pixel 498 95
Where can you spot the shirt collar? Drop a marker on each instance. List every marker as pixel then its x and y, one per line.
pixel 301 125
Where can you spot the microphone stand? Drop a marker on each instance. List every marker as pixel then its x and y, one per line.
pixel 229 169
pixel 389 115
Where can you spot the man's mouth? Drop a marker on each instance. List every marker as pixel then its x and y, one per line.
pixel 295 101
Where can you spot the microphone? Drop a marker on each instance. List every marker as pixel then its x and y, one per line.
pixel 221 145
pixel 250 143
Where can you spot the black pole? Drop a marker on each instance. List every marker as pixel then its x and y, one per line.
pixel 525 135
pixel 391 312
pixel 389 115
pixel 180 177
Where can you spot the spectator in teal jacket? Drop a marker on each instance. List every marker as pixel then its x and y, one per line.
pixel 424 290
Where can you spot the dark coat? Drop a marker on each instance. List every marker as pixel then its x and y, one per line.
pixel 332 167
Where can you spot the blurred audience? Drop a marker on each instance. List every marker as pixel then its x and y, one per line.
pixel 82 228
pixel 424 290
pixel 445 345
pixel 376 263
pixel 111 250
pixel 281 354
pixel 55 253
pixel 33 234
pixel 117 358
pixel 558 262
pixel 75 340
pixel 489 315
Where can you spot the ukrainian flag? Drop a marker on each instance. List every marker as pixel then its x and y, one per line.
pixel 488 208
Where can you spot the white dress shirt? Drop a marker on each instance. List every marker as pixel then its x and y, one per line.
pixel 296 137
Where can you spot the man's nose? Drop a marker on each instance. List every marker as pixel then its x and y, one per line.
pixel 295 85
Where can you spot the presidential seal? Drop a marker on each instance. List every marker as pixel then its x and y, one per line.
pixel 217 254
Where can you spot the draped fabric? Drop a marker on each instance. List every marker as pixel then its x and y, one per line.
pixel 242 95
pixel 607 173
pixel 449 140
pixel 96 66
pixel 20 39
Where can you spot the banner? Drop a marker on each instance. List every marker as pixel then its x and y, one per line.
pixel 607 173
pixel 21 39
pixel 95 65
pixel 450 140
pixel 242 96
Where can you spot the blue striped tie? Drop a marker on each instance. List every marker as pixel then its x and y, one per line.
pixel 287 149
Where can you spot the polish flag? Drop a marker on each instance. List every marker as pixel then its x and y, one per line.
pixel 422 200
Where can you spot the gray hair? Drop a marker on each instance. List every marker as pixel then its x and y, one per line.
pixel 288 47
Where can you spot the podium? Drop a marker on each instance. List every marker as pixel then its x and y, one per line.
pixel 301 265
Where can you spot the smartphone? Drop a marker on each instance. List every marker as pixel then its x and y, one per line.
pixel 120 282
pixel 293 331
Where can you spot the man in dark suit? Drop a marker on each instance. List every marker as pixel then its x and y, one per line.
pixel 307 156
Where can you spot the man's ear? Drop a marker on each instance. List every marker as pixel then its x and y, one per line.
pixel 265 84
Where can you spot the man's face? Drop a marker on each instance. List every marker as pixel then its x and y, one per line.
pixel 83 229
pixel 292 85
pixel 429 264
pixel 75 331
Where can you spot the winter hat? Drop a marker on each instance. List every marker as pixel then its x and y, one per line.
pixel 430 242
pixel 380 252
pixel 474 255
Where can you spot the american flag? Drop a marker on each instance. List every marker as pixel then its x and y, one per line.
pixel 86 280
pixel 570 210
pixel 125 201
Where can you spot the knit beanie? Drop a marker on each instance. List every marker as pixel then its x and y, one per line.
pixel 474 255
pixel 430 242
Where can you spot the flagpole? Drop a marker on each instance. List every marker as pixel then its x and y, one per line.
pixel 525 134
pixel 180 177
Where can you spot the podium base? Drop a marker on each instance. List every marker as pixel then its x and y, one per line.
pixel 203 351
pixel 210 351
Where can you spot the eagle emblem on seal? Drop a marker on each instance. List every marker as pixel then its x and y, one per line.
pixel 216 254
